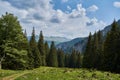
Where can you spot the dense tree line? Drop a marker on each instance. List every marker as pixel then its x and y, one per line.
pixel 103 54
pixel 16 52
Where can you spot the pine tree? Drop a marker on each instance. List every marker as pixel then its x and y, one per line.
pixel 35 54
pixel 41 48
pixel 111 49
pixel 61 58
pixel 73 60
pixel 88 54
pixel 100 49
pixel 95 55
pixel 46 52
pixel 25 34
pixel 52 57
pixel 78 65
pixel 13 53
pixel 67 59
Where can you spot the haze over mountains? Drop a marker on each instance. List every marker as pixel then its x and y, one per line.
pixel 79 44
pixel 67 45
pixel 56 39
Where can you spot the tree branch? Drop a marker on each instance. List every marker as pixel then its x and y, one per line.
pixel 2 58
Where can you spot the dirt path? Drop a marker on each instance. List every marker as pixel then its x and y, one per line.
pixel 14 76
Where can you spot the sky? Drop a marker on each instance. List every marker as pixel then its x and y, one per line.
pixel 63 18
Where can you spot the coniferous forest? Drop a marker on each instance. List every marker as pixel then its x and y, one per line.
pixel 19 53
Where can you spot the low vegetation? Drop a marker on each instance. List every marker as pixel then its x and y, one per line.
pixel 4 73
pixel 50 73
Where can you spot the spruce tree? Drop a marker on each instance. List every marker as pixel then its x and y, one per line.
pixel 88 53
pixel 46 52
pixel 35 54
pixel 13 55
pixel 61 58
pixel 111 49
pixel 73 59
pixel 67 59
pixel 95 55
pixel 52 57
pixel 41 48
pixel 100 49
pixel 78 64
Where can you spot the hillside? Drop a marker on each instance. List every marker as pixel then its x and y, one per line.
pixel 79 44
pixel 67 46
pixel 56 39
pixel 50 73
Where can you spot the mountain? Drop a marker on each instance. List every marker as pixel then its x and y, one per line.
pixel 108 28
pixel 68 46
pixel 79 44
pixel 56 39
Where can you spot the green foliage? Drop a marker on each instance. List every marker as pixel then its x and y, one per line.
pixel 78 65
pixel 61 58
pixel 41 48
pixel 73 59
pixel 52 57
pixel 35 56
pixel 88 53
pixel 95 53
pixel 67 60
pixel 12 43
pixel 111 50
pixel 46 52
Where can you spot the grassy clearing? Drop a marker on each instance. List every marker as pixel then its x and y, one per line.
pixel 49 73
pixel 14 76
pixel 4 73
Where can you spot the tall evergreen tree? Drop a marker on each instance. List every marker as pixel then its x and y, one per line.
pixel 25 34
pixel 78 63
pixel 88 53
pixel 46 52
pixel 67 59
pixel 100 40
pixel 111 49
pixel 13 53
pixel 30 59
pixel 52 57
pixel 95 53
pixel 61 58
pixel 35 54
pixel 73 60
pixel 100 49
pixel 41 48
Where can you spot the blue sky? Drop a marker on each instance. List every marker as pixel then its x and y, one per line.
pixel 64 18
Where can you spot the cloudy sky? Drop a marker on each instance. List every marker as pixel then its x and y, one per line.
pixel 64 18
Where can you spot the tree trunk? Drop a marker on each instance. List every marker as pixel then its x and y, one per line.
pixel 0 65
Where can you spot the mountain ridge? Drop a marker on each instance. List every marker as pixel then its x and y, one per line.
pixel 49 39
pixel 81 42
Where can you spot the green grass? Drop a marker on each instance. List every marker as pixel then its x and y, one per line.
pixel 49 73
pixel 4 73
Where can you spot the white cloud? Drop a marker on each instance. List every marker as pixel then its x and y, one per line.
pixel 20 13
pixel 92 8
pixel 116 4
pixel 52 22
pixel 79 12
pixel 68 7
